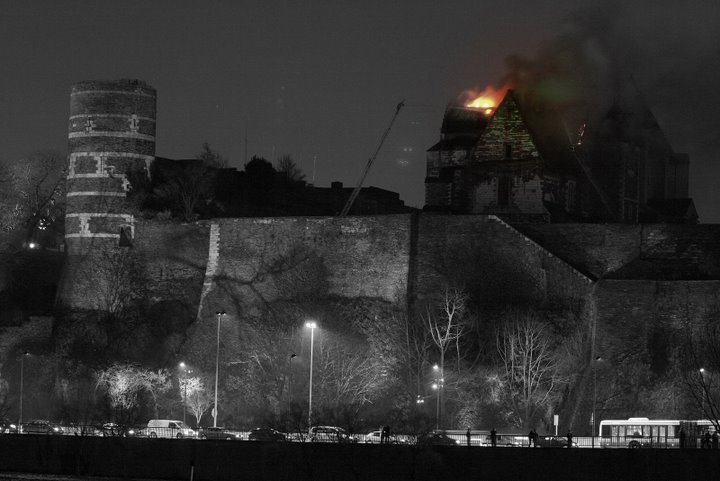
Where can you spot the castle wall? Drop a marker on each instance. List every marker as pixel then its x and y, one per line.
pixel 494 260
pixel 264 259
pixel 166 262
pixel 597 249
pixel 646 320
pixel 592 248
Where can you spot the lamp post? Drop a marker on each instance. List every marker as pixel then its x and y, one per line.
pixel 219 315
pixel 22 385
pixel 439 381
pixel 185 374
pixel 704 392
pixel 592 421
pixel 312 326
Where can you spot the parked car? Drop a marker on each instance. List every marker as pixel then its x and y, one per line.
pixel 330 434
pixel 550 441
pixel 113 430
pixel 374 437
pixel 218 433
pixel 74 429
pixel 40 426
pixel 169 428
pixel 7 427
pixel 438 439
pixel 507 440
pixel 137 431
pixel 266 434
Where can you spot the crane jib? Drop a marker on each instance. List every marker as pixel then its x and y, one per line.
pixel 370 161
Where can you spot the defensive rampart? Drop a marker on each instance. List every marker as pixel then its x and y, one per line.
pixel 234 264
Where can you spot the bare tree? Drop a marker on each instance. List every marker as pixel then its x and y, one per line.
pixel 211 157
pixel 409 344
pixel 347 374
pixel 156 383
pixel 196 396
pixel 31 190
pixel 187 188
pixel 701 367
pixel 119 271
pixel 445 323
pixel 288 171
pixel 122 383
pixel 530 368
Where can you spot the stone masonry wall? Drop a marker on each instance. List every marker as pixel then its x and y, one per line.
pixel 167 260
pixel 402 258
pixel 263 259
pixel 491 257
pixel 592 248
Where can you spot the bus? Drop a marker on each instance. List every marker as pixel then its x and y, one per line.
pixel 651 433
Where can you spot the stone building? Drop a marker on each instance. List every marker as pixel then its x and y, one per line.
pixel 521 161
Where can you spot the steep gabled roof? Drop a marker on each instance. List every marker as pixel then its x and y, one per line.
pixel 459 120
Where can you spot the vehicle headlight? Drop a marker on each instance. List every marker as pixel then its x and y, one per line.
pixel 131 431
pixel 56 429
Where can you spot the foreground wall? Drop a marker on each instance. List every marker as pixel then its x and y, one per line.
pixel 230 460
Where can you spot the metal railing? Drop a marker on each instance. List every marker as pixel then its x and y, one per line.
pixel 460 438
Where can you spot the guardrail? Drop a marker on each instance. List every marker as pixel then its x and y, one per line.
pixel 476 439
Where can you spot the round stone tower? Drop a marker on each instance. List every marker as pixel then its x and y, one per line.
pixel 111 133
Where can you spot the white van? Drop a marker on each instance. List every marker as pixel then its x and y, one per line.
pixel 169 428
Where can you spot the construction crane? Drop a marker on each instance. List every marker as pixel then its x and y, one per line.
pixel 356 190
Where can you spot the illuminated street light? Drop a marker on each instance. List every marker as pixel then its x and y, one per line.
pixel 219 315
pixel 438 386
pixel 704 390
pixel 22 382
pixel 186 371
pixel 312 326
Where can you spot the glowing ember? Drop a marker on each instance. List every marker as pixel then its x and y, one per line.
pixel 486 100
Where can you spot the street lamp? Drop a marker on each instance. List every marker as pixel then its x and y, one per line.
pixel 219 315
pixel 22 382
pixel 704 392
pixel 438 386
pixel 186 371
pixel 592 421
pixel 312 326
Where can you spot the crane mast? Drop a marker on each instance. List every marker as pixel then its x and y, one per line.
pixel 356 190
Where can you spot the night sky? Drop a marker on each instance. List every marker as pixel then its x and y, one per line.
pixel 319 80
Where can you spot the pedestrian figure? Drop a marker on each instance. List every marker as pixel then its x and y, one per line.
pixel 385 435
pixel 682 438
pixel 569 439
pixel 534 436
pixel 706 440
pixel 715 440
pixel 531 438
pixel 493 437
pixel 467 435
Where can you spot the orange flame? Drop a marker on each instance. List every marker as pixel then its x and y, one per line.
pixel 486 100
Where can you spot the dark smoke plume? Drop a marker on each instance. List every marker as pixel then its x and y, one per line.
pixel 669 51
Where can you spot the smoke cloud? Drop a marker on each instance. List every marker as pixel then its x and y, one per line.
pixel 669 51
